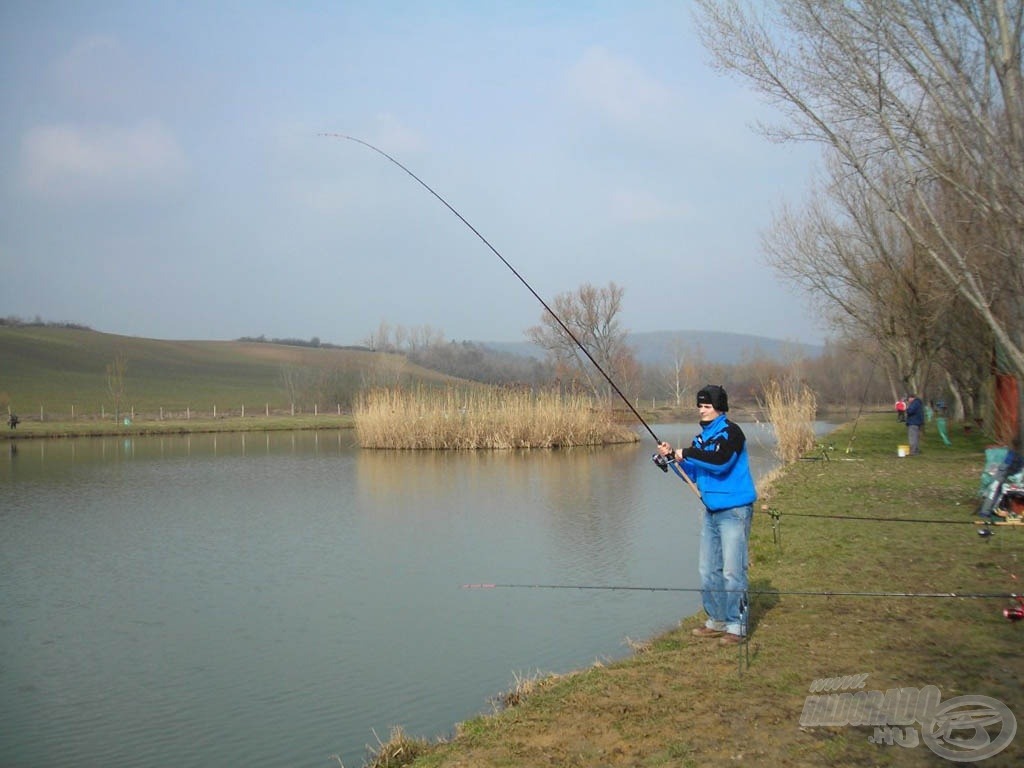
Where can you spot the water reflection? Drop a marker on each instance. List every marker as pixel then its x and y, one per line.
pixel 269 599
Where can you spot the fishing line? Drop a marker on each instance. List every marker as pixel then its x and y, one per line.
pixel 780 515
pixel 804 593
pixel 515 272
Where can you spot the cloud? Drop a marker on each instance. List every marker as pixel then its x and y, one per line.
pixel 390 132
pixel 68 161
pixel 616 86
pixel 634 206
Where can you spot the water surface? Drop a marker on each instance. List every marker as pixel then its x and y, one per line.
pixel 273 599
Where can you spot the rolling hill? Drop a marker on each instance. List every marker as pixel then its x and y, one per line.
pixel 55 368
pixel 60 369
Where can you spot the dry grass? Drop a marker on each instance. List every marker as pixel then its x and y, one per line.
pixel 638 646
pixel 400 749
pixel 766 481
pixel 791 409
pixel 523 687
pixel 454 419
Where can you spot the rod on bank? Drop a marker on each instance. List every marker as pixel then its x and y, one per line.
pixel 806 593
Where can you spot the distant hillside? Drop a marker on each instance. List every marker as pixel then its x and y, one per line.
pixel 59 367
pixel 716 347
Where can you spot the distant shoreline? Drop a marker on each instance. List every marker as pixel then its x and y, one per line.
pixel 27 430
pixel 65 428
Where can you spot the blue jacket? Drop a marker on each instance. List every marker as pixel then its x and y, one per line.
pixel 717 462
pixel 915 413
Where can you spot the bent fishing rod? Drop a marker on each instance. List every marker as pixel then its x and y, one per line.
pixel 662 462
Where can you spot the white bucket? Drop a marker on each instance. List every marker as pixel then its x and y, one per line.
pixel 902 450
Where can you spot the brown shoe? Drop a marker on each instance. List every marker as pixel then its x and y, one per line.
pixel 706 632
pixel 728 638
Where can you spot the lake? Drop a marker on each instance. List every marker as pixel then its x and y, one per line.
pixel 272 599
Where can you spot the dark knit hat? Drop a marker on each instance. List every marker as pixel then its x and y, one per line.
pixel 715 396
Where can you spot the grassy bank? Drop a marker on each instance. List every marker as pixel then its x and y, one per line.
pixel 680 701
pixel 152 426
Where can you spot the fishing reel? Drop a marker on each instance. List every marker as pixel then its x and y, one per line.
pixel 662 461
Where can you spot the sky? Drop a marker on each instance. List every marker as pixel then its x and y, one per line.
pixel 165 173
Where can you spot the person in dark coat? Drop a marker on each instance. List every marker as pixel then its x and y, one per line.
pixel 915 420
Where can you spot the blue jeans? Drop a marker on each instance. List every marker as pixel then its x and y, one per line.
pixel 723 568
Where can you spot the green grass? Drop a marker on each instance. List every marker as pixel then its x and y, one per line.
pixel 683 701
pixel 61 372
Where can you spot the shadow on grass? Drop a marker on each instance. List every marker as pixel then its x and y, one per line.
pixel 763 597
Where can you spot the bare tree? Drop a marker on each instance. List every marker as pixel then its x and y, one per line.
pixel 423 337
pixel 398 338
pixel 920 100
pixel 380 340
pixel 846 374
pixel 965 362
pixel 402 339
pixel 592 316
pixel 869 279
pixel 685 362
pixel 294 381
pixel 116 384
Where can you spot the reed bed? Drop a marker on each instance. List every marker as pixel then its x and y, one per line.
pixel 791 409
pixel 459 419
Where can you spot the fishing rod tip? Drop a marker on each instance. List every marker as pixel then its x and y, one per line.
pixel 336 135
pixel 479 586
